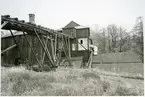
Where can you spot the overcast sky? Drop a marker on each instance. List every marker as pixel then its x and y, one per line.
pixel 56 14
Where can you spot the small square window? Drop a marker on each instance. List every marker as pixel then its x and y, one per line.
pixel 81 41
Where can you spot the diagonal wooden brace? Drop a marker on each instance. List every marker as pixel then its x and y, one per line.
pixel 32 50
pixel 4 24
pixel 47 51
pixel 9 48
pixel 52 64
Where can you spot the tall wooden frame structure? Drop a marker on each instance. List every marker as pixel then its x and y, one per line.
pixel 10 24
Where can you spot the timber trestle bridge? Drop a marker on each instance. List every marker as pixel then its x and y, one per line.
pixel 59 42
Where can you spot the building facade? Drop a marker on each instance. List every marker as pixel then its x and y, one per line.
pixel 81 41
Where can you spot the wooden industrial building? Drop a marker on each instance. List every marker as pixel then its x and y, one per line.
pixel 81 41
pixel 79 46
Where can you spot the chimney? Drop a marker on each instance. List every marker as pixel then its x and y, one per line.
pixel 32 18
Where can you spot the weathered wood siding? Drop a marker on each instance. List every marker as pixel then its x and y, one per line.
pixel 82 33
pixel 69 31
pixel 79 33
pixel 26 55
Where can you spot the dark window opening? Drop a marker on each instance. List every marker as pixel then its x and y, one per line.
pixel 81 41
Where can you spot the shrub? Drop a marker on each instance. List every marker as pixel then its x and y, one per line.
pixel 92 75
pixel 105 85
pixel 124 91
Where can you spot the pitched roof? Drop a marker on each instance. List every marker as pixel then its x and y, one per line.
pixel 71 24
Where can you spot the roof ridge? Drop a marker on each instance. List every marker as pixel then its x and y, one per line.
pixel 71 24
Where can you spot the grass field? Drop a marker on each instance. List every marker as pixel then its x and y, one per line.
pixel 69 82
pixel 131 68
pixel 121 57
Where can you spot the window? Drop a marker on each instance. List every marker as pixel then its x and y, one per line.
pixel 73 47
pixel 81 41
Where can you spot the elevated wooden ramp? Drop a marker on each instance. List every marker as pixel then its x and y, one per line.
pixel 43 34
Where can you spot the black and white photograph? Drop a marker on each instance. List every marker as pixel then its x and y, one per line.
pixel 72 47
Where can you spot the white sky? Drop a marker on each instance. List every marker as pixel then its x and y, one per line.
pixel 56 14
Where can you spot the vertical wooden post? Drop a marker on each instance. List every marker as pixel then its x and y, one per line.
pixel 63 47
pixel 55 47
pixel 59 50
pixel 90 60
pixel 69 51
pixel 69 47
pixel 66 50
pixel 52 49
pixel 66 44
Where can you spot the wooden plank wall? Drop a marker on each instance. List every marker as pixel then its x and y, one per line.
pixel 26 54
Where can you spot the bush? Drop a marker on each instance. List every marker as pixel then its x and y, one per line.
pixel 92 75
pixel 105 85
pixel 124 91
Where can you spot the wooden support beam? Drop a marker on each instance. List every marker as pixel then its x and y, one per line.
pixel 50 59
pixel 52 64
pixel 69 51
pixel 44 52
pixel 32 26
pixel 59 50
pixel 52 49
pixel 32 50
pixel 82 46
pixel 65 49
pixel 9 48
pixel 13 37
pixel 47 37
pixel 89 64
pixel 66 43
pixel 91 59
pixel 69 47
pixel 55 47
pixel 5 22
pixel 16 44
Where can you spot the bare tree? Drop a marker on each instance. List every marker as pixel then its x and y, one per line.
pixel 112 37
pixel 124 40
pixel 138 29
pixel 101 38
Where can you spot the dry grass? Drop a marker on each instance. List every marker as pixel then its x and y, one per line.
pixel 131 68
pixel 124 75
pixel 63 82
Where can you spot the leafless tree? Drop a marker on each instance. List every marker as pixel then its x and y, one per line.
pixel 138 29
pixel 123 38
pixel 112 39
pixel 112 36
